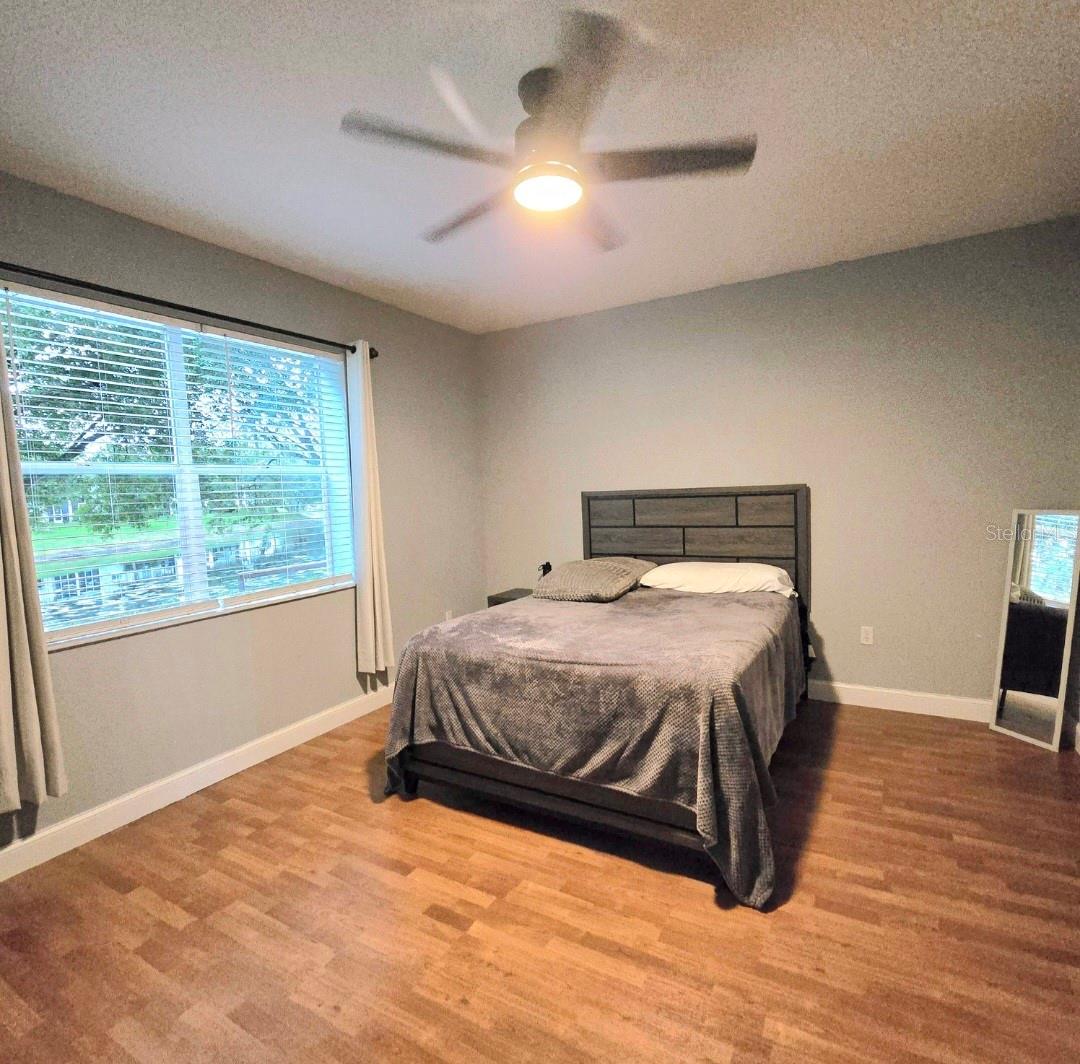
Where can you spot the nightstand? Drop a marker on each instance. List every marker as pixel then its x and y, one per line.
pixel 509 596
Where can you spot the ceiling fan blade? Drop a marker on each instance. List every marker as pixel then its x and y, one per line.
pixel 591 47
pixel 470 214
pixel 599 228
pixel 456 103
pixel 730 156
pixel 369 127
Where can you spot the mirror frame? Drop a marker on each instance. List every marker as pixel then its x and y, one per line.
pixel 1055 743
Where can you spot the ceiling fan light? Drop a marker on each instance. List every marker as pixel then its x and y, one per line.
pixel 548 187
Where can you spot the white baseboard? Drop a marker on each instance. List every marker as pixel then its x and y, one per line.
pixel 850 694
pixel 58 838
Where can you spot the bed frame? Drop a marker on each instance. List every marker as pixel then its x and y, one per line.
pixel 768 523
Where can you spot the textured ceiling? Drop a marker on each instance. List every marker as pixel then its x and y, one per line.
pixel 881 125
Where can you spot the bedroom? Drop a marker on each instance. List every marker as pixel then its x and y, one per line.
pixel 882 307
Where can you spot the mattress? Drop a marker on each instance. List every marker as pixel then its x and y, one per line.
pixel 672 697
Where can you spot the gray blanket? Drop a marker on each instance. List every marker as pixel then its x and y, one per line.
pixel 663 694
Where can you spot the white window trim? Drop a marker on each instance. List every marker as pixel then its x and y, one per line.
pixel 102 631
pixel 115 628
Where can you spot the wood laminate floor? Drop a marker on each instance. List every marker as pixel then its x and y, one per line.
pixel 929 911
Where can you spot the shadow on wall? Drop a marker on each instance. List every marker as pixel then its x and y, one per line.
pixel 20 824
pixel 817 641
pixel 371 682
pixel 797 770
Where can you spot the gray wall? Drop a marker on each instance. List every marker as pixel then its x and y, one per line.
pixel 921 395
pixel 137 709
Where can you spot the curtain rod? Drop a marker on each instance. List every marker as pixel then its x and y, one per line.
pixel 164 304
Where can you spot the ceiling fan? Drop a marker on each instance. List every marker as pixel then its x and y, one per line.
pixel 551 173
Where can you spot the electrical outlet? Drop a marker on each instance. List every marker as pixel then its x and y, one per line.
pixel 866 635
pixel 448 615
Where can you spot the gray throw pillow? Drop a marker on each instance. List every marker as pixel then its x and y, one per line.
pixel 638 566
pixel 593 580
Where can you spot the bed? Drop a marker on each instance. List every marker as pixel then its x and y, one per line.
pixel 656 714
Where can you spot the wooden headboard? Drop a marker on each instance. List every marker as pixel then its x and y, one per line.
pixel 768 523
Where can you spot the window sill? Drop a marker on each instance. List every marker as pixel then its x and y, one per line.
pixel 69 638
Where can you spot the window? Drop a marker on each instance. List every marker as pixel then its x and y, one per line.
pixel 64 587
pixel 62 513
pixel 154 569
pixel 169 469
pixel 1052 552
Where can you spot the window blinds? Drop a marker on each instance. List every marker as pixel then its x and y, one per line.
pixel 170 468
pixel 1051 558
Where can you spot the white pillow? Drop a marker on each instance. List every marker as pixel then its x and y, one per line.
pixel 714 578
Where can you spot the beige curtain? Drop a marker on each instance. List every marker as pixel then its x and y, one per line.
pixel 31 762
pixel 374 638
pixel 1022 549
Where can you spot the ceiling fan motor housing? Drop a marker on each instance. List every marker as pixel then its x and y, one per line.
pixel 533 141
pixel 533 88
pixel 537 138
pixel 537 144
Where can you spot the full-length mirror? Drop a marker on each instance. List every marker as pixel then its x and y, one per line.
pixel 1037 626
